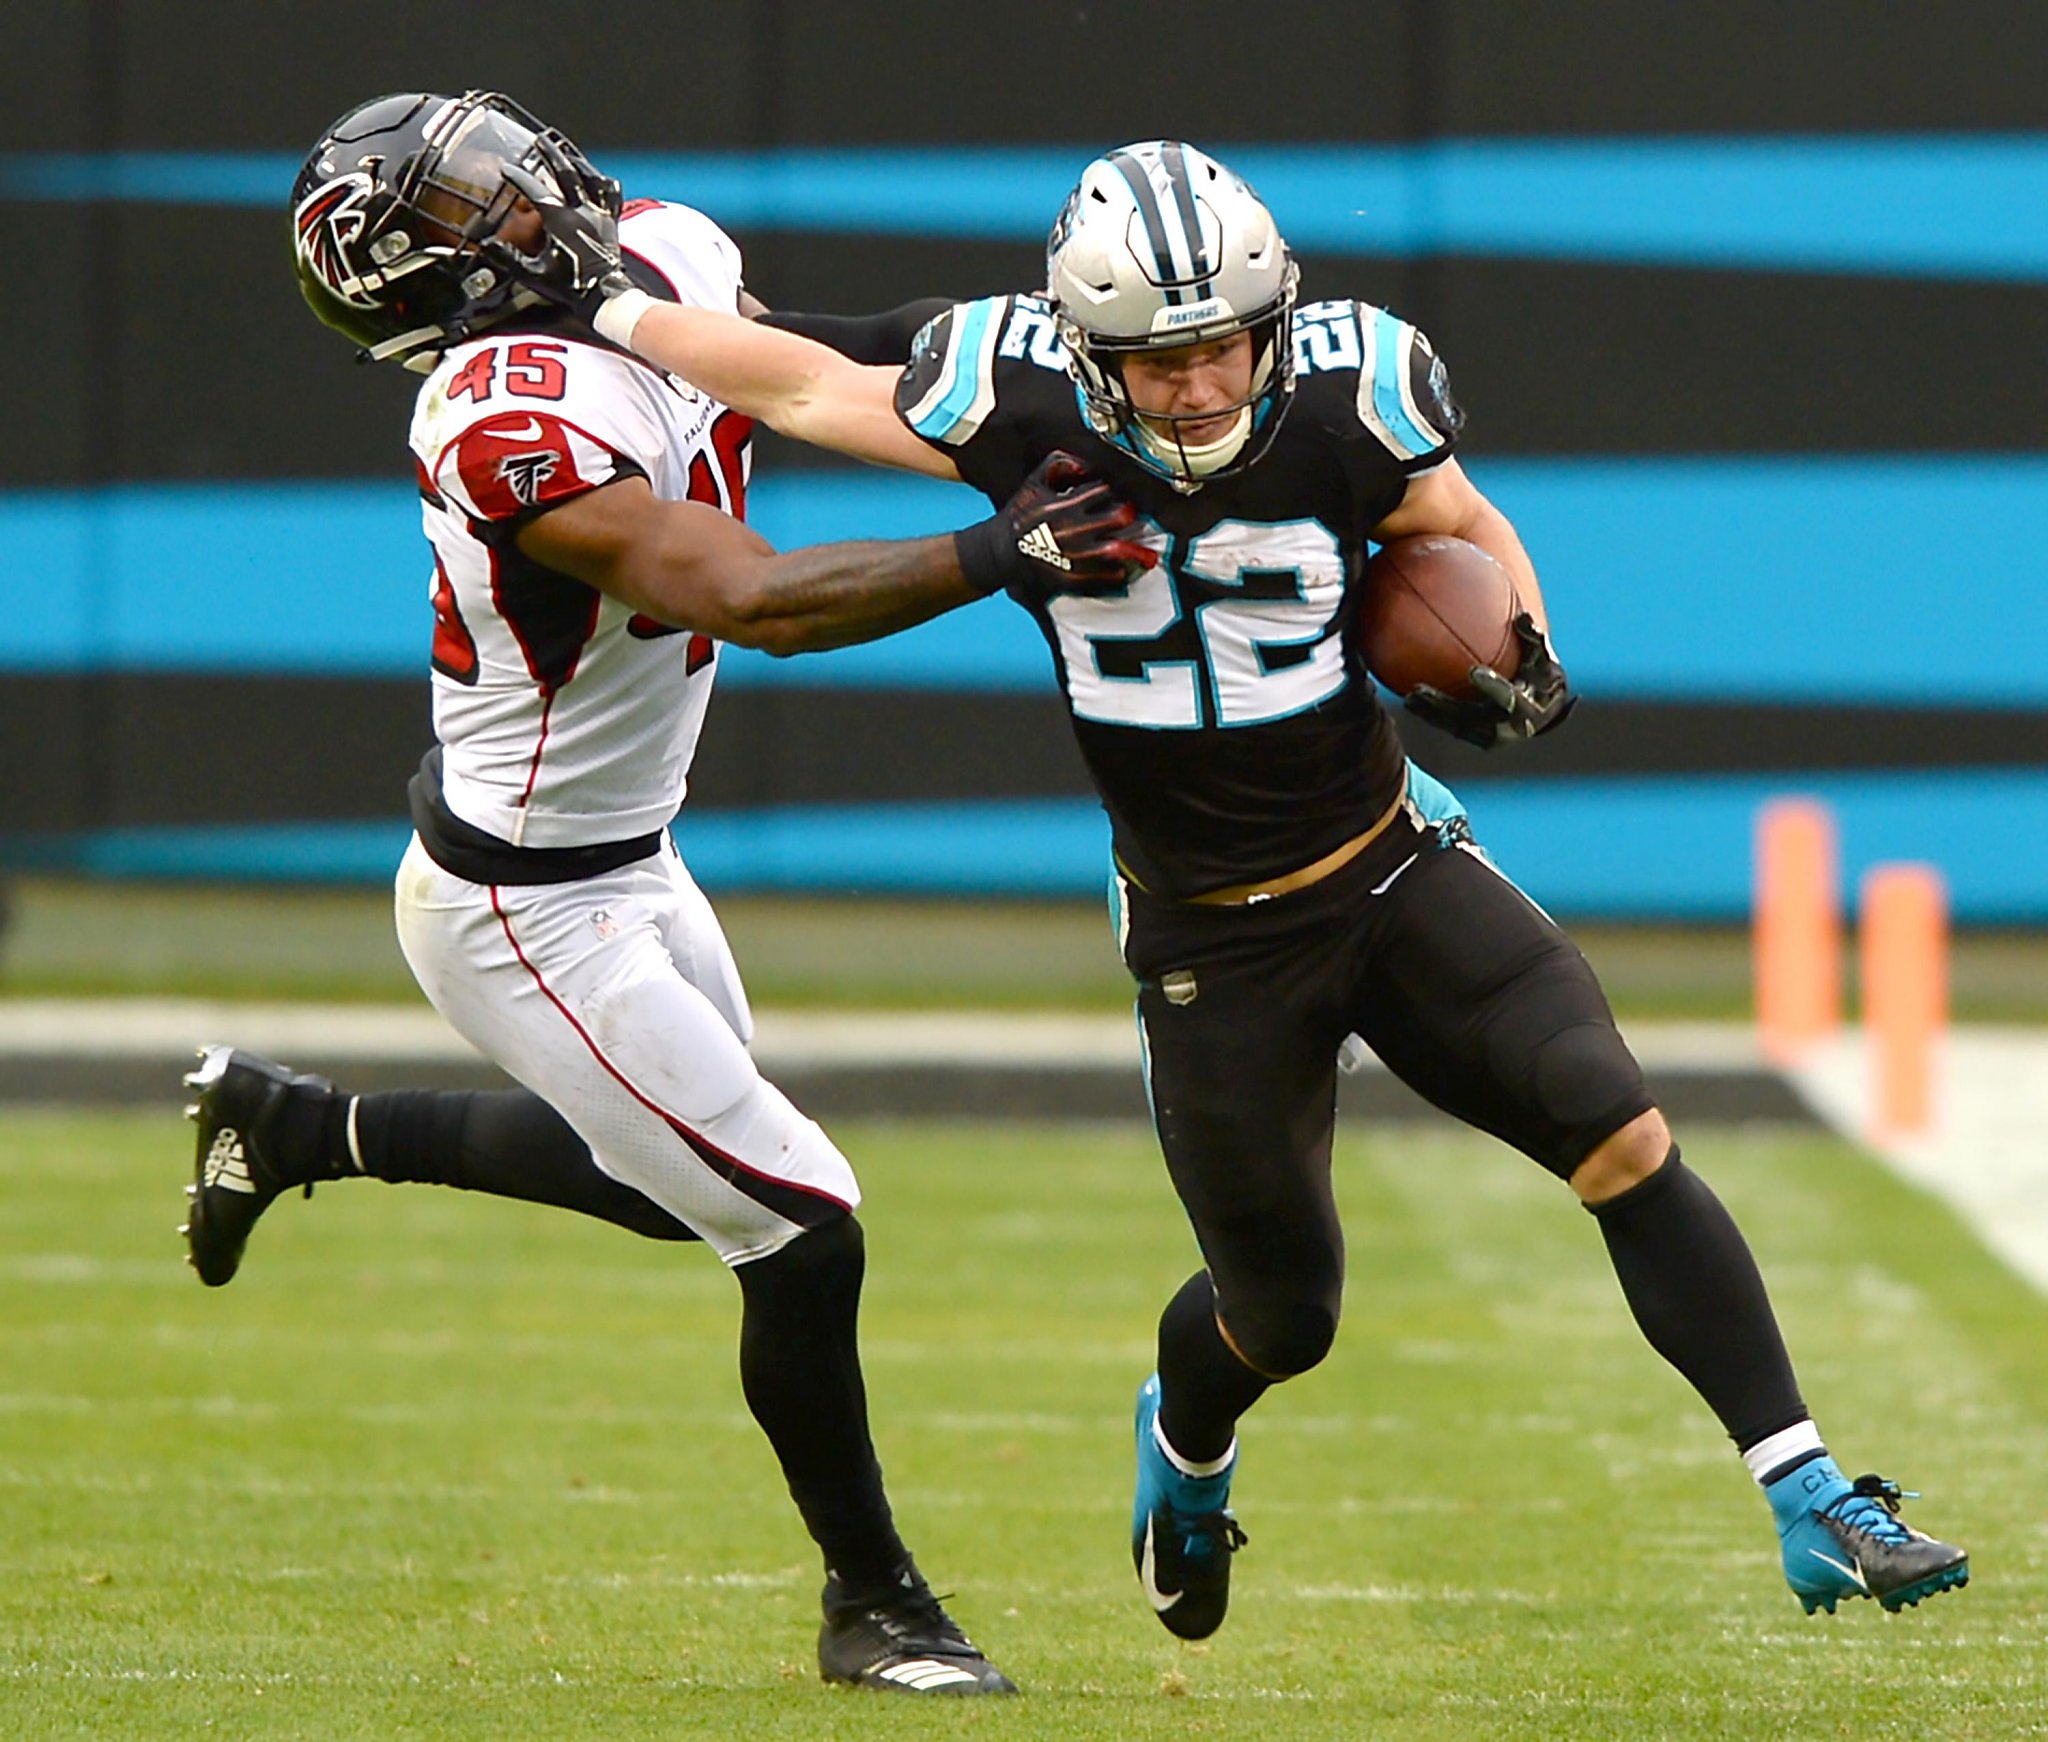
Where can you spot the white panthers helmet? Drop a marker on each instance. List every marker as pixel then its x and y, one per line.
pixel 1161 246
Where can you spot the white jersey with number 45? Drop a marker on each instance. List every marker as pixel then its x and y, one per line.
pixel 565 718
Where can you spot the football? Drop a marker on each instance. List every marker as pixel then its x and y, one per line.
pixel 1435 607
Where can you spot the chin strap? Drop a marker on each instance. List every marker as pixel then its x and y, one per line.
pixel 1198 459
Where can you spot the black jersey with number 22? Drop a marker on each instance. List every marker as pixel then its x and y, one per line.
pixel 1228 727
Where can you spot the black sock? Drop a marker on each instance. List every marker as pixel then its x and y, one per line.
pixel 1700 1300
pixel 800 1369
pixel 1203 1386
pixel 507 1142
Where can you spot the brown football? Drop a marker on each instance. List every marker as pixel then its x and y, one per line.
pixel 1435 607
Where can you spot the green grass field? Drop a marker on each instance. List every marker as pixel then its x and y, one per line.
pixel 447 1468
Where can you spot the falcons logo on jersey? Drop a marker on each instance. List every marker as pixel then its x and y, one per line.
pixel 524 474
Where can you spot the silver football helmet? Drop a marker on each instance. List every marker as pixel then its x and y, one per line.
pixel 1158 247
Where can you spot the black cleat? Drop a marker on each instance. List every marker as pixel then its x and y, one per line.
pixel 901 1641
pixel 239 1170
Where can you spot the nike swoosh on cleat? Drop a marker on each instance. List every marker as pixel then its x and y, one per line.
pixel 1160 1600
pixel 1854 1572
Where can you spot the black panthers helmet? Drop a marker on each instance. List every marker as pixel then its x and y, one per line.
pixel 393 207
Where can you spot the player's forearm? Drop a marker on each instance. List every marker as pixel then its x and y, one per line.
pixel 796 386
pixel 757 370
pixel 835 595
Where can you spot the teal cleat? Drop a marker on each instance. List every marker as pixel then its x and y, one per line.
pixel 1182 1532
pixel 1844 1539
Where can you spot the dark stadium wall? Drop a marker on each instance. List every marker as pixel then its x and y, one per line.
pixel 1781 464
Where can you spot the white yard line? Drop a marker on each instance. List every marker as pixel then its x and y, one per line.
pixel 1987 1156
pixel 167 1027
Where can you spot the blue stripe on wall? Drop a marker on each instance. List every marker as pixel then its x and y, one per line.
pixel 1901 579
pixel 1647 848
pixel 1942 206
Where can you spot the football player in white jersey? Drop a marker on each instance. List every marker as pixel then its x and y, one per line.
pixel 1287 879
pixel 584 510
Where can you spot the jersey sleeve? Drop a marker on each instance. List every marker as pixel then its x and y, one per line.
pixel 686 255
pixel 520 426
pixel 949 393
pixel 1404 392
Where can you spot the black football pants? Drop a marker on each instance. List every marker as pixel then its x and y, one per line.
pixel 1466 990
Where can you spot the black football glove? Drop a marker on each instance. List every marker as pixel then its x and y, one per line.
pixel 578 265
pixel 1506 710
pixel 1064 531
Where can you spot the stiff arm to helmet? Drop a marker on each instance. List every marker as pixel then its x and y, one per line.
pixel 394 208
pixel 799 388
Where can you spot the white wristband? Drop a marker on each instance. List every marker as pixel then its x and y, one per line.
pixel 620 315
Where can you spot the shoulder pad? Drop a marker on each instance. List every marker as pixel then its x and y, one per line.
pixel 948 388
pixel 1404 391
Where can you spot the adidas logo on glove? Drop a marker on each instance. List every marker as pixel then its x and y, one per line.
pixel 1040 545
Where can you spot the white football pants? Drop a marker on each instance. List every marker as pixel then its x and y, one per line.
pixel 617 1001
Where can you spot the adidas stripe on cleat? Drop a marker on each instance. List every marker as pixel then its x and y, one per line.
pixel 240 1169
pixel 901 1640
pixel 1844 1539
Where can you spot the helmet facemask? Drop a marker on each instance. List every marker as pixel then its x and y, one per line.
pixel 1160 248
pixel 1158 440
pixel 390 244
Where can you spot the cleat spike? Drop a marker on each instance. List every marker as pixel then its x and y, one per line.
pixel 192 1191
pixel 192 1111
pixel 184 1227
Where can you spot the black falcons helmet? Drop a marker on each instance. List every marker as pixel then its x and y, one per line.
pixel 393 206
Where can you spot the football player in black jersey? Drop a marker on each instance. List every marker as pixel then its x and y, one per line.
pixel 1286 878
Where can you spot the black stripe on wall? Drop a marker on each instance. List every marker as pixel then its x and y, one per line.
pixel 215 370
pixel 140 749
pixel 695 74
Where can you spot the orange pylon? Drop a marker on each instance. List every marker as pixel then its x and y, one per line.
pixel 1904 937
pixel 1796 927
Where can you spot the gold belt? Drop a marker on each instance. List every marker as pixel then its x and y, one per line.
pixel 1241 894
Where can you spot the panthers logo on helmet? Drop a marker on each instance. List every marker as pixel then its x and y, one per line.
pixel 329 223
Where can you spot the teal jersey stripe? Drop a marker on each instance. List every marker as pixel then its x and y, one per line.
pixel 1436 801
pixel 969 326
pixel 1390 362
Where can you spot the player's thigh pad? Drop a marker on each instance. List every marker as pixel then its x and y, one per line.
pixel 1476 999
pixel 575 990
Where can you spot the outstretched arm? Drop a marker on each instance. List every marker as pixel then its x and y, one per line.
pixel 799 388
pixel 693 567
pixel 796 387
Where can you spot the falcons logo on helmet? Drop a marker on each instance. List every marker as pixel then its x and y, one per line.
pixel 329 223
